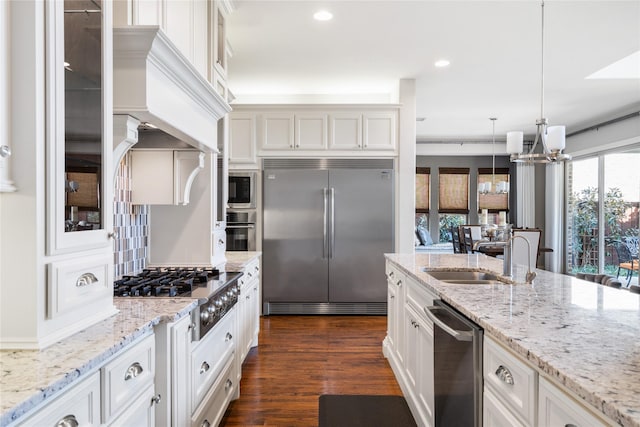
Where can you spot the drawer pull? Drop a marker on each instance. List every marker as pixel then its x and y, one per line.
pixel 390 274
pixel 228 337
pixel 156 399
pixel 257 268
pixel 68 421
pixel 133 371
pixel 204 367
pixel 86 279
pixel 227 385
pixel 392 296
pixel 570 425
pixel 504 374
pixel 206 423
pixel 399 283
pixel 249 274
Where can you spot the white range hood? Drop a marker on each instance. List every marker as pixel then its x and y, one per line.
pixel 155 83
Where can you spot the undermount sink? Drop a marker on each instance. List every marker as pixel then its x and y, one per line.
pixel 465 277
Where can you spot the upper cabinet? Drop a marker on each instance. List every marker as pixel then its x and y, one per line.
pixel 79 126
pixel 345 130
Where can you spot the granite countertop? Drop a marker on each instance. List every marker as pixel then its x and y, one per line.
pixel 583 335
pixel 28 377
pixel 238 260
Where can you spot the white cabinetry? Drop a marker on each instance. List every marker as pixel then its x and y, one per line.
pixel 379 130
pixel 511 380
pixel 310 130
pixel 395 312
pixel 60 222
pixel 419 352
pixel 164 177
pixel 214 377
pixel 249 322
pixel 121 392
pixel 242 133
pixel 173 373
pixel 80 405
pixel 277 131
pixel 555 408
pixel 345 130
pixel 185 22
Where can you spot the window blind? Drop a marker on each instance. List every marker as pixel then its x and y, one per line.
pixel 423 194
pixel 453 190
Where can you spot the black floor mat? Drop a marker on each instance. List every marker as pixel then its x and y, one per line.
pixel 364 411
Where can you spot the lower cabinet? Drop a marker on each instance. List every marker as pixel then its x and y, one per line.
pixel 80 405
pixel 249 313
pixel 214 404
pixel 555 408
pixel 419 364
pixel 119 393
pixel 515 394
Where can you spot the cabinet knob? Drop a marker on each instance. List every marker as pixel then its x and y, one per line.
pixel 113 235
pixel 206 423
pixel 156 399
pixel 399 283
pixel 204 367
pixel 227 385
pixel 5 151
pixel 133 371
pixel 228 337
pixel 220 242
pixel 504 374
pixel 86 279
pixel 68 421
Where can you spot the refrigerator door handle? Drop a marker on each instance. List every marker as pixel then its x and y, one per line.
pixel 325 225
pixel 332 243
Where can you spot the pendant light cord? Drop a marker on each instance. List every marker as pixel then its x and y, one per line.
pixel 542 68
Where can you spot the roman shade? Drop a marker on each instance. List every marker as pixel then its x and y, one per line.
pixel 453 190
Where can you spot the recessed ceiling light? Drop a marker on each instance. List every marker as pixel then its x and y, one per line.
pixel 442 63
pixel 322 15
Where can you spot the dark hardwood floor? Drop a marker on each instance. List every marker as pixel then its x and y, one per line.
pixel 301 357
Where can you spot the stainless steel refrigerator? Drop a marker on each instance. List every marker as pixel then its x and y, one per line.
pixel 326 225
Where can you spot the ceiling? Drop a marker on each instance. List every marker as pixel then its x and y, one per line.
pixel 280 55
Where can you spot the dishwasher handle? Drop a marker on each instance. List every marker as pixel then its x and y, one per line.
pixel 458 335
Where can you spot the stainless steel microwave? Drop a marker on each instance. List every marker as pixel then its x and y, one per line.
pixel 242 189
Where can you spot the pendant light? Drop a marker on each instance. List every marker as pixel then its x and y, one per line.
pixel 552 138
pixel 490 187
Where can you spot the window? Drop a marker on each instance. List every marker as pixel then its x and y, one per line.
pixel 453 191
pixel 453 200
pixel 422 190
pixel 604 201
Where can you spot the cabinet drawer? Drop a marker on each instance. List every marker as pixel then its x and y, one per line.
pixel 139 413
pixel 555 408
pixel 77 283
pixel 80 403
pixel 513 382
pixel 494 414
pixel 210 412
pixel 418 297
pixel 210 354
pixel 125 377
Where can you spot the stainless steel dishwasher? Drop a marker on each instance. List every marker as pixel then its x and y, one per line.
pixel 457 363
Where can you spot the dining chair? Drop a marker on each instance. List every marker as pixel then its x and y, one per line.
pixel 519 248
pixel 467 239
pixel 455 239
pixel 625 260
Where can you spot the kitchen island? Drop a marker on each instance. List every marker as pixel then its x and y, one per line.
pixel 583 336
pixel 30 378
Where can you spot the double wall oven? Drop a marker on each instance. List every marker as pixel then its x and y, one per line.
pixel 241 215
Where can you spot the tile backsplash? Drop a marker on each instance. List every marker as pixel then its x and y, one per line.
pixel 131 222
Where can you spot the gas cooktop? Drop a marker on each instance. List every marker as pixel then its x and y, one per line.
pixel 193 282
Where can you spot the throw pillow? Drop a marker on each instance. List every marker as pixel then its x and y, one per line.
pixel 425 237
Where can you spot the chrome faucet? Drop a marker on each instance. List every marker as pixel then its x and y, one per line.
pixel 507 266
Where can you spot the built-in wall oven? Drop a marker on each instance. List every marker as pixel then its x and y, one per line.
pixel 241 230
pixel 457 367
pixel 242 189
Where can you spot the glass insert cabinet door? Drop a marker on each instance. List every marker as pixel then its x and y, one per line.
pixel 79 123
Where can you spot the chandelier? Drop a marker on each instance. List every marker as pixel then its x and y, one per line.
pixel 552 138
pixel 491 187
